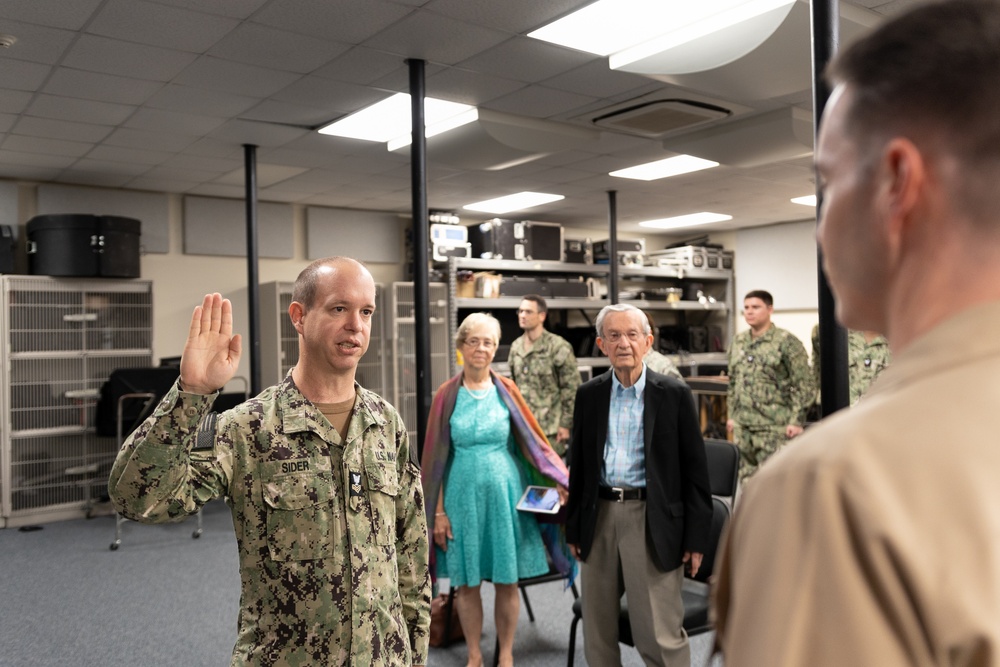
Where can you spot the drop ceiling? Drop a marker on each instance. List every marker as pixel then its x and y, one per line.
pixel 162 96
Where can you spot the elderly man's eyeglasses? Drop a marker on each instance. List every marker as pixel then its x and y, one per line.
pixel 473 343
pixel 615 336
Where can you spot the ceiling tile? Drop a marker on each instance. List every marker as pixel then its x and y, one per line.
pixel 435 38
pixel 35 43
pixel 14 101
pixel 88 165
pixel 45 146
pixel 96 178
pixel 103 88
pixel 25 172
pixel 233 77
pixel 338 97
pixel 541 101
pixel 362 66
pixel 267 175
pixel 7 121
pixel 258 134
pixel 84 111
pixel 217 166
pixel 527 60
pixel 200 101
pixel 272 111
pixel 596 79
pixel 475 88
pixel 325 19
pixel 263 46
pixel 238 9
pixel 160 120
pixel 160 25
pixel 68 15
pixel 516 16
pixel 120 154
pixel 61 129
pixel 146 140
pixel 113 56
pixel 22 75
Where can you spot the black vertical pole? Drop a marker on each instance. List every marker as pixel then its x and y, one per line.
pixel 612 246
pixel 834 393
pixel 421 293
pixel 253 280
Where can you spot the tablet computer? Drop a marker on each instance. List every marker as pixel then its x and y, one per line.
pixel 542 499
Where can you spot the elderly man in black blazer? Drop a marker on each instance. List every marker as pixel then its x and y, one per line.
pixel 640 505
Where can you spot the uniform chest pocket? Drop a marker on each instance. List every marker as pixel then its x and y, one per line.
pixel 303 516
pixel 383 487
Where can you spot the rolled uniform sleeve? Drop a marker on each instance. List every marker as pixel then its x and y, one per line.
pixel 156 476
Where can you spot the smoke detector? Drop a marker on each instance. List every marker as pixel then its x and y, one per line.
pixel 7 41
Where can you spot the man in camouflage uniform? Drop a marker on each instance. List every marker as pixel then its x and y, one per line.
pixel 544 368
pixel 770 386
pixel 657 362
pixel 326 499
pixel 867 355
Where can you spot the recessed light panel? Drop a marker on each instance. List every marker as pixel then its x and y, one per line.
pixel 672 166
pixel 392 118
pixel 515 202
pixel 689 220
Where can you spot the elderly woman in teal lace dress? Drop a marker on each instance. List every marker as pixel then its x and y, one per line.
pixel 483 447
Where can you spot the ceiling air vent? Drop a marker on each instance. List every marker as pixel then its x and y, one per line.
pixel 659 117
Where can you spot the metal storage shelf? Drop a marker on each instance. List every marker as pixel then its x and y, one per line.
pixel 676 305
pixel 520 266
pixel 515 301
pixel 61 339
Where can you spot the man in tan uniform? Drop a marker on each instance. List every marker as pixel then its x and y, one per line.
pixel 876 539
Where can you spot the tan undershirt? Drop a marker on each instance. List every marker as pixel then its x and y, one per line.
pixel 338 414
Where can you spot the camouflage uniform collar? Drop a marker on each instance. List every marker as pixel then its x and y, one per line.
pixel 298 414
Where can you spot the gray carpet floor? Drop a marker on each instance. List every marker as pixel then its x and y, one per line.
pixel 165 599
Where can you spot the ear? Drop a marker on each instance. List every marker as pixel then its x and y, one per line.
pixel 295 313
pixel 905 177
pixel 600 346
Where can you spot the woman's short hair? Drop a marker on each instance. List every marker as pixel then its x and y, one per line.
pixel 473 321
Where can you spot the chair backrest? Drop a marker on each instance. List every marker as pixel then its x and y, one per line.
pixel 723 466
pixel 720 517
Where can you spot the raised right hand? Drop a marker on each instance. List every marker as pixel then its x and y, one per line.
pixel 212 353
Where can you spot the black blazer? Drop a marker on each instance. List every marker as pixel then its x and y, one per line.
pixel 679 499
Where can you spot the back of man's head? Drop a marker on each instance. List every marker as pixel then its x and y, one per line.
pixel 932 75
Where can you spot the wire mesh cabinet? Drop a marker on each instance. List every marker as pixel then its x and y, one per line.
pixel 280 342
pixel 404 364
pixel 62 337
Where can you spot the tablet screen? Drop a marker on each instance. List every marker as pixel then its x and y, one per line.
pixel 544 499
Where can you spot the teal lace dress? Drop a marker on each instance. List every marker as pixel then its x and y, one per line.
pixel 493 541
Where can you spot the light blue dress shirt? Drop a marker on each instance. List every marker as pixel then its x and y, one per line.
pixel 624 453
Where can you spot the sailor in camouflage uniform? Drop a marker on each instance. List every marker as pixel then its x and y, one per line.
pixel 867 356
pixel 543 366
pixel 326 498
pixel 659 363
pixel 770 385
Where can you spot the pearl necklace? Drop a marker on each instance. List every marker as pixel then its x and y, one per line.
pixel 483 393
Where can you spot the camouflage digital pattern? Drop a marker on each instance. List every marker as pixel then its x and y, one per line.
pixel 547 376
pixel 332 537
pixel 770 387
pixel 659 363
pixel 865 361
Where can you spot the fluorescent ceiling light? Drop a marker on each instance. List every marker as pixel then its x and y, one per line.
pixel 672 166
pixel 607 26
pixel 458 120
pixel 516 202
pixel 689 220
pixel 808 200
pixel 689 26
pixel 392 118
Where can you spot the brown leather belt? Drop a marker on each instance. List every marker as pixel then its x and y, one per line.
pixel 620 495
